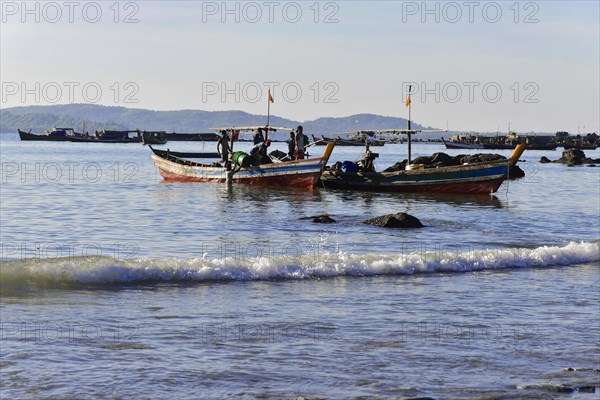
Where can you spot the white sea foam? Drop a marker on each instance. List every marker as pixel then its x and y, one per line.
pixel 105 270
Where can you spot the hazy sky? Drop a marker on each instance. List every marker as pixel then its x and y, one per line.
pixel 476 65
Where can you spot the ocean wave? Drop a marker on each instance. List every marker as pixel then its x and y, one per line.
pixel 73 271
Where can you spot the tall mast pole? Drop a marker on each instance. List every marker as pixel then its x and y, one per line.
pixel 269 101
pixel 409 132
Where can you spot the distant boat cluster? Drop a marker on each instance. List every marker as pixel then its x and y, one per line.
pixel 588 141
pixel 113 136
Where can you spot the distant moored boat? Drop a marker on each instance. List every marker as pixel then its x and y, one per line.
pixel 154 138
pixel 54 135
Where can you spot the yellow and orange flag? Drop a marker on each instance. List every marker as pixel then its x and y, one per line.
pixel 408 101
pixel 271 97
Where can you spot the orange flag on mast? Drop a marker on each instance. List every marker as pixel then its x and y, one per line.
pixel 408 101
pixel 271 97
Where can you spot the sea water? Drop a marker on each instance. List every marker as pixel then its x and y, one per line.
pixel 115 283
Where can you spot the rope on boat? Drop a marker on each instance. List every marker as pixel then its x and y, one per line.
pixel 507 180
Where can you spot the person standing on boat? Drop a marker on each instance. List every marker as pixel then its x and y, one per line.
pixel 292 146
pixel 258 137
pixel 299 144
pixel 223 146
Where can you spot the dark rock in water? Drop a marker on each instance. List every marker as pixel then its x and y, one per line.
pixel 401 220
pixel 571 157
pixel 419 398
pixel 587 389
pixel 323 219
pixel 580 369
pixel 320 219
pixel 515 172
pixel 588 160
pixel 591 165
pixel 564 389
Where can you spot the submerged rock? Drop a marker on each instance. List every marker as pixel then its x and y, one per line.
pixel 564 389
pixel 323 219
pixel 400 220
pixel 420 398
pixel 588 160
pixel 587 389
pixel 320 219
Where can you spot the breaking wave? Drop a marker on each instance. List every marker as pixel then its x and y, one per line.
pixel 75 271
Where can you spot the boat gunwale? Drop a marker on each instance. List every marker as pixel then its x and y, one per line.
pixel 416 172
pixel 471 179
pixel 205 167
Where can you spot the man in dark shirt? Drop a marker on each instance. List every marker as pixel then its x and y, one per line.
pixel 292 146
pixel 259 153
pixel 258 137
pixel 223 146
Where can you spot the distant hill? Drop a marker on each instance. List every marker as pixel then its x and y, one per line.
pixel 96 117
pixel 40 122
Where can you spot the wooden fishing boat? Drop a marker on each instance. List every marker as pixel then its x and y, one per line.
pixel 476 178
pixel 153 138
pixel 461 145
pixel 54 135
pixel 489 143
pixel 300 173
pixel 339 142
pixel 345 142
pixel 184 154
